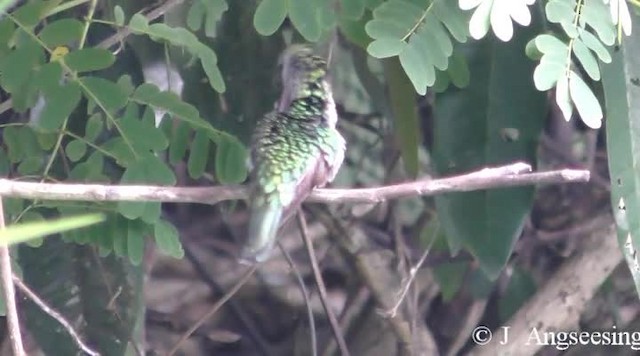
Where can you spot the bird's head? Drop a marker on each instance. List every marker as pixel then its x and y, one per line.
pixel 302 71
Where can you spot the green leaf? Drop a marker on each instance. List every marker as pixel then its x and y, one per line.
pixel 586 102
pixel 488 223
pixel 622 97
pixel 553 63
pixel 450 277
pixel 30 165
pixel 303 16
pixel 59 104
pixel 386 47
pixel 126 84
pixel 179 36
pixel 563 99
pixel 179 142
pixel 17 70
pixel 355 32
pixel 147 136
pixel 118 148
pixel 118 15
pixel 21 143
pixel 94 127
pixel 209 63
pixel 23 232
pixel 596 15
pixel 75 150
pixel 152 212
pixel 33 216
pixel 7 31
pixel 149 94
pixel 104 93
pixel 419 34
pixel 139 23
pixel 61 32
pixel 352 9
pixel 135 241
pixel 595 45
pixel 195 16
pixel 46 140
pixel 91 170
pixel 480 20
pixel 587 60
pixel 167 239
pixel 119 227
pixel 559 11
pixel 11 140
pixel 520 288
pixel 134 174
pixel 89 59
pixel 30 14
pixel 157 171
pixel 5 165
pixel 213 12
pixel 458 71
pixel 49 77
pixel 198 155
pixel 405 118
pixel 230 161
pixel 269 15
pixel 148 169
pixel 420 74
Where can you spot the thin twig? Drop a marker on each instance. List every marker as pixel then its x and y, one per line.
pixel 366 265
pixel 305 296
pixel 488 178
pixel 54 314
pixel 245 277
pixel 412 276
pixel 9 295
pixel 235 308
pixel 322 290
pixel 351 311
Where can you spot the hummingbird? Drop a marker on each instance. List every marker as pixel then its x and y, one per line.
pixel 294 149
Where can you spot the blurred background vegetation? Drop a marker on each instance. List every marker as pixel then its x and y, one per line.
pixel 168 93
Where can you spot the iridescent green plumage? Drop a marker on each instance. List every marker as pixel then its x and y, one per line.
pixel 294 149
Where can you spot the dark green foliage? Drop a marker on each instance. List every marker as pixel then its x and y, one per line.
pixel 488 222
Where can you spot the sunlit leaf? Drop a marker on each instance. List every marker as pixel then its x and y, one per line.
pixel 23 232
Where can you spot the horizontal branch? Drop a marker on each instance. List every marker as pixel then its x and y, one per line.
pixel 517 174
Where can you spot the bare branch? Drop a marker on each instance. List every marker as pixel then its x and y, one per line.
pixel 54 314
pixel 393 311
pixel 517 174
pixel 236 287
pixel 322 290
pixel 305 296
pixel 9 295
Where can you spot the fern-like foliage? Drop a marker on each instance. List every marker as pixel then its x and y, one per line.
pixel 497 13
pixel 114 137
pixel 420 35
pixel 206 14
pixel 587 30
pixel 311 18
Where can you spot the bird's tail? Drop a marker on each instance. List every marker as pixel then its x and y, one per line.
pixel 263 226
